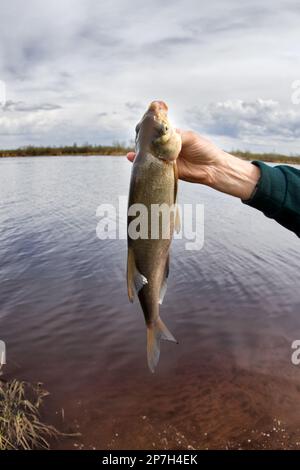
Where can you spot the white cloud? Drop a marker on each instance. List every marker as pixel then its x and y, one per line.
pixel 102 62
pixel 24 107
pixel 263 120
pixel 26 124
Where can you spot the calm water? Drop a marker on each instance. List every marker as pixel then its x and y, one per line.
pixel 234 306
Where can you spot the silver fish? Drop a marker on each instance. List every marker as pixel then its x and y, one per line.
pixel 154 185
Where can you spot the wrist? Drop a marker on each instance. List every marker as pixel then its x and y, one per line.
pixel 234 176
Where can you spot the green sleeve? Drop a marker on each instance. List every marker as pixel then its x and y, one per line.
pixel 277 195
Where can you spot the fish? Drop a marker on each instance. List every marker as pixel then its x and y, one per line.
pixel 153 184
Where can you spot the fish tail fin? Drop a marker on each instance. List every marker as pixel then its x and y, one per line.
pixel 155 333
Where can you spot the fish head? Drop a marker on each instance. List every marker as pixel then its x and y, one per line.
pixel 155 133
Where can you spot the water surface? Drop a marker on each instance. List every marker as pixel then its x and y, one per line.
pixel 234 306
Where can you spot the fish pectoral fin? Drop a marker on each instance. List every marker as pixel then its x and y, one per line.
pixel 135 280
pixel 177 223
pixel 155 333
pixel 139 281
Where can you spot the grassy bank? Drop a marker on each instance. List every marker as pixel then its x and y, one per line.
pixel 20 424
pixel 31 151
pixel 267 157
pixel 119 149
pixel 21 427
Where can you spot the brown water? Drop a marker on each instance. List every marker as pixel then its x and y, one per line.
pixel 234 306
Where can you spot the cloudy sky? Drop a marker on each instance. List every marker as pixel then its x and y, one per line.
pixel 84 70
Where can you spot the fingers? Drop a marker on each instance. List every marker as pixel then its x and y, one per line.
pixel 185 135
pixel 130 156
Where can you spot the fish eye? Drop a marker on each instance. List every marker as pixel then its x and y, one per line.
pixel 163 129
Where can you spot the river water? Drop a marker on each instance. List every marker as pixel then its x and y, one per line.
pixel 234 307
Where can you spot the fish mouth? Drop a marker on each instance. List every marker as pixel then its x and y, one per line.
pixel 156 121
pixel 159 111
pixel 158 107
pixel 157 134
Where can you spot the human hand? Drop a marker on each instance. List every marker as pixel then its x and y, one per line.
pixel 201 161
pixel 196 160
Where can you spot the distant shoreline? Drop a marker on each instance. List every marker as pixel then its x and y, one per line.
pixel 119 150
pixel 267 157
pixel 68 150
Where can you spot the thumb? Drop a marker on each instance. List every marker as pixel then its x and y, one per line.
pixel 130 156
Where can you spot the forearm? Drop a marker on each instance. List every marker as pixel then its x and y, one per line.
pixel 275 191
pixel 234 176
